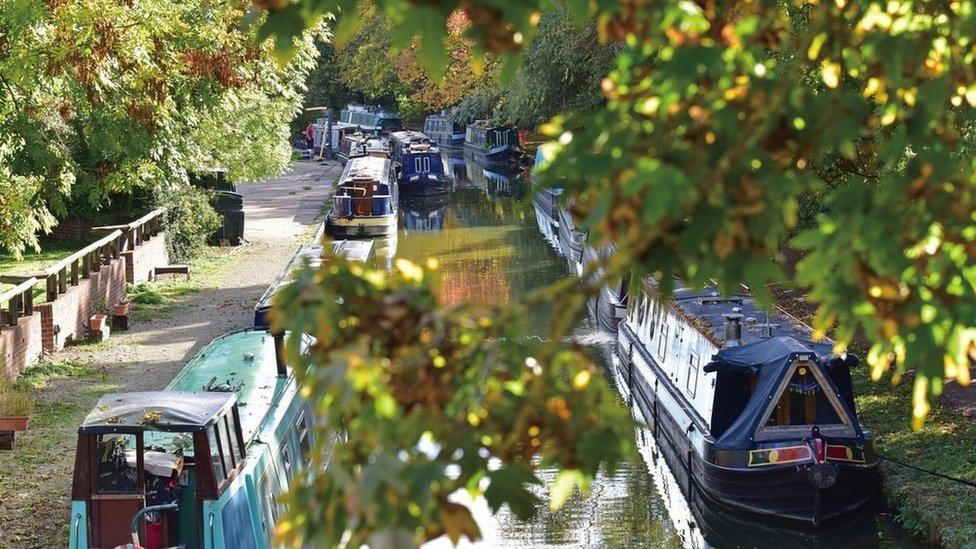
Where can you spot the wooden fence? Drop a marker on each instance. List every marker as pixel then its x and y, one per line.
pixel 136 232
pixel 19 300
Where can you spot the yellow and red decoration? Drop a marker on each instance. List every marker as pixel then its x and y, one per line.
pixel 778 456
pixel 839 452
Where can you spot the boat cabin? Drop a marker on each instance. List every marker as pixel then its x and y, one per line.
pixel 443 130
pixel 139 450
pixel 485 136
pixel 371 119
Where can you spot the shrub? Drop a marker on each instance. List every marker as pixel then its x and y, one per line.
pixel 189 221
pixel 15 403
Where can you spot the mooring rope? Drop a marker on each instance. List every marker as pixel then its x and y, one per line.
pixel 969 483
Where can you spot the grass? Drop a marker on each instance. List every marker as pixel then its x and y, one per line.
pixel 33 262
pixel 206 270
pixel 937 510
pixel 38 376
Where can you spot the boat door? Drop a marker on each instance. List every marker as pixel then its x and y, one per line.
pixel 119 487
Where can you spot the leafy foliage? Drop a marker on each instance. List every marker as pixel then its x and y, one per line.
pixel 189 221
pixel 100 98
pixel 430 398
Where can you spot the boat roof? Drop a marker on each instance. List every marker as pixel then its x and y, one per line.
pixel 706 308
pixel 405 136
pixel 484 125
pixel 243 362
pixel 305 253
pixel 370 166
pixel 179 411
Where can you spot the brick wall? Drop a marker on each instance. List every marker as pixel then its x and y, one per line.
pixel 66 318
pixel 140 262
pixel 20 345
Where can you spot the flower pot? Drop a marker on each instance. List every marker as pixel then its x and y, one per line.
pixel 122 309
pixel 13 423
pixel 98 322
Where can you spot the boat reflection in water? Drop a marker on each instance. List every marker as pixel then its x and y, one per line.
pixel 498 182
pixel 423 213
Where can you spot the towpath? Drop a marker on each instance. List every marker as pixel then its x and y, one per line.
pixel 35 480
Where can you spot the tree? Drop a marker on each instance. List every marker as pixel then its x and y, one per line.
pixel 101 97
pixel 719 119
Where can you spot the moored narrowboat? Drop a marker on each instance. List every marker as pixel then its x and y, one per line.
pixel 201 464
pixel 545 200
pixel 764 416
pixel 493 147
pixel 365 200
pixel 358 144
pixel 609 306
pixel 442 128
pixel 371 119
pixel 417 164
pixel 310 255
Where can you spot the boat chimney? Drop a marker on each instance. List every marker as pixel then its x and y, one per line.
pixel 279 345
pixel 733 327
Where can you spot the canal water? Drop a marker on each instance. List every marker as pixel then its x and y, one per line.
pixel 490 247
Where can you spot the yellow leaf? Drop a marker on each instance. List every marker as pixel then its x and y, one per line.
pixel 830 72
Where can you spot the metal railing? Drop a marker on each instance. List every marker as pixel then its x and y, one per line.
pixel 19 299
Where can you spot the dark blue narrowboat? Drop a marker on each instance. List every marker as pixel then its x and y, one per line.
pixel 371 119
pixel 763 417
pixel 442 128
pixel 492 147
pixel 417 164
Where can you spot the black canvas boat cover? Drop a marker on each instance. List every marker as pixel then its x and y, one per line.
pixel 772 360
pixel 178 411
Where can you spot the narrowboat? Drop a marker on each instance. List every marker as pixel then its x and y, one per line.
pixel 762 417
pixel 310 255
pixel 417 164
pixel 609 306
pixel 201 464
pixel 545 201
pixel 493 147
pixel 365 200
pixel 442 128
pixel 572 240
pixel 358 144
pixel 340 130
pixel 371 119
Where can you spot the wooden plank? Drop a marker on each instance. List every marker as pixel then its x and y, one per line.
pixel 74 273
pixel 15 296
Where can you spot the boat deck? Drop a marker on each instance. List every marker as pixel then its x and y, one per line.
pixel 244 359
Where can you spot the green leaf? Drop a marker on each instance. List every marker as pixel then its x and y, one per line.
pixel 510 485
pixel 562 488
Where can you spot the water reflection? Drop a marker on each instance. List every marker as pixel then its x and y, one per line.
pixel 494 245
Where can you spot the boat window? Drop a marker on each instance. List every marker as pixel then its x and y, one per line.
pixel 218 460
pixel 662 344
pixel 426 163
pixel 803 402
pixel 230 460
pixel 235 444
pixel 269 503
pixel 304 438
pixel 286 459
pixel 115 472
pixel 692 375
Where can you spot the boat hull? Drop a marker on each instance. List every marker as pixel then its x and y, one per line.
pixel 782 491
pixel 429 185
pixel 496 158
pixel 362 226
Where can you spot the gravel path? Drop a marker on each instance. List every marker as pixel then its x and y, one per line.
pixel 35 480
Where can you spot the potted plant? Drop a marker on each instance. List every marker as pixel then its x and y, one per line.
pixel 122 309
pixel 15 410
pixel 98 322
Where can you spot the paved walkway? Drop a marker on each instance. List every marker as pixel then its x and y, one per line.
pixel 35 481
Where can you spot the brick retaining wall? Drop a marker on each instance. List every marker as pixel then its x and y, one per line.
pixel 20 345
pixel 141 261
pixel 66 318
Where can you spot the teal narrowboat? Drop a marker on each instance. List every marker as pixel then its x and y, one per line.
pixel 200 464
